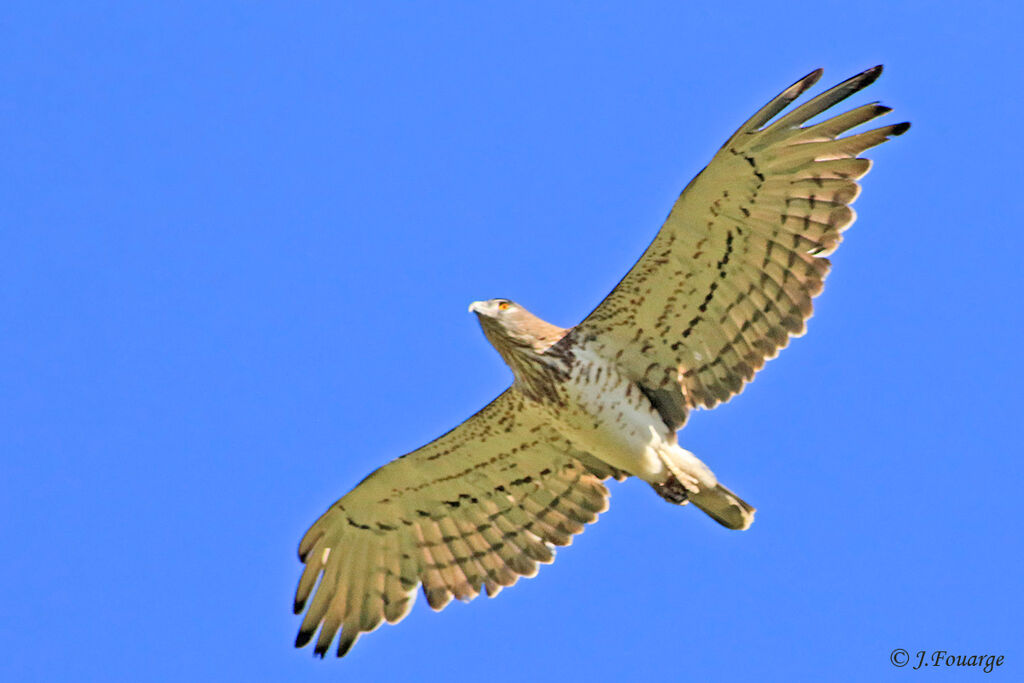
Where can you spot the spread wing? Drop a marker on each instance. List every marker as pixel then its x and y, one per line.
pixel 475 509
pixel 731 274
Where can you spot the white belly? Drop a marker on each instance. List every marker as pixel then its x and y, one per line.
pixel 608 416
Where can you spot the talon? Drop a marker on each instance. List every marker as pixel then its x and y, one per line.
pixel 672 491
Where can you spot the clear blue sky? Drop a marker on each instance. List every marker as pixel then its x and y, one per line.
pixel 237 243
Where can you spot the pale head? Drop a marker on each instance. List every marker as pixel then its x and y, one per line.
pixel 509 327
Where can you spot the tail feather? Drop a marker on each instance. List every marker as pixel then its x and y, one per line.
pixel 725 507
pixel 691 480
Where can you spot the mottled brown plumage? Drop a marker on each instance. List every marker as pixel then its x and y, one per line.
pixel 726 282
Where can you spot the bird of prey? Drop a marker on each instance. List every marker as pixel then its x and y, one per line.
pixel 726 282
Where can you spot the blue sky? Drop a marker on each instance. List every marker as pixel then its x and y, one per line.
pixel 237 246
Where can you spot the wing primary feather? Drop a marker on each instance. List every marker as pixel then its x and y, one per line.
pixel 346 640
pixel 372 610
pixel 311 537
pixel 832 128
pixel 355 590
pixel 315 614
pixel 793 157
pixel 827 99
pixel 777 104
pixel 336 595
pixel 310 574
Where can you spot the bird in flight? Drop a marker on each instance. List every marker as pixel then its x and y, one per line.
pixel 728 279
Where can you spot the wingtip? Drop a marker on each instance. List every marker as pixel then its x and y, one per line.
pixel 871 75
pixel 900 128
pixel 810 79
pixel 345 643
pixel 303 638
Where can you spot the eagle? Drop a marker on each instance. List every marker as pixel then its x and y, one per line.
pixel 727 280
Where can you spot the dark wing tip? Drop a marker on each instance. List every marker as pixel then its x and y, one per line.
pixel 861 80
pixel 303 638
pixel 866 78
pixel 314 534
pixel 900 128
pixel 805 83
pixel 345 643
pixel 813 77
pixel 297 608
pixel 794 91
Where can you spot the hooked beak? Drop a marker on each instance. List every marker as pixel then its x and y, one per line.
pixel 478 307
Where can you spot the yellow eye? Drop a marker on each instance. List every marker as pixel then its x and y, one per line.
pixel 503 306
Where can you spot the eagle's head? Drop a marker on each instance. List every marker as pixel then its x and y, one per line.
pixel 509 326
